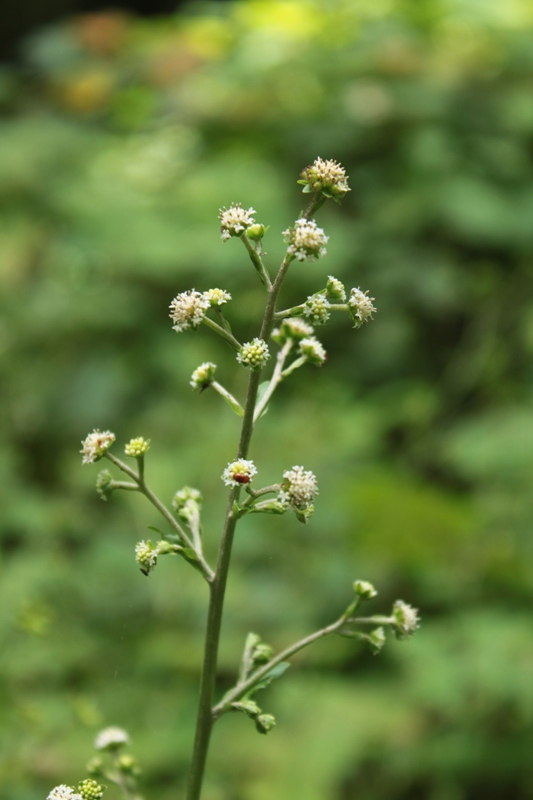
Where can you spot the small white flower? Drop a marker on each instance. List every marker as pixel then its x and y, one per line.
pixel 365 590
pixel 95 445
pixel 146 556
pixel 239 472
pixel 327 177
pixel 217 297
pixel 234 220
pixel 187 310
pixel 306 240
pixel 316 308
pixel 313 350
pixel 64 792
pixel 111 738
pixel 203 375
pixel 406 619
pixel 361 307
pixel 254 354
pixel 335 289
pixel 137 447
pixel 298 489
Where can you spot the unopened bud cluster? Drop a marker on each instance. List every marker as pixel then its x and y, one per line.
pixel 254 354
pixel 306 240
pixel 90 790
pixel 313 351
pixel 316 308
pixel 235 220
pixel 203 375
pixel 137 447
pixel 292 328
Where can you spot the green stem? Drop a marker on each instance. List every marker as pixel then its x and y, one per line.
pixel 242 688
pixel 257 261
pixel 228 397
pixel 221 332
pixel 275 379
pixel 163 510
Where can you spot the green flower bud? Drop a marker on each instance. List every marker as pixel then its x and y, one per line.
pixel 264 723
pixel 146 556
pixel 95 766
pixel 316 308
pixel 335 290
pixel 256 232
pixel 292 328
pixel 376 640
pixel 127 764
pixel 137 447
pixel 104 485
pixel 254 354
pixel 365 590
pixel 248 707
pixel 262 653
pixel 90 790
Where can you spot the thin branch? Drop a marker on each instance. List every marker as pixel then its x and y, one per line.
pixel 275 379
pixel 221 332
pixel 257 261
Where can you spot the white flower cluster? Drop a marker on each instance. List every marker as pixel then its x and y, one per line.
pixel 298 489
pixel 313 350
pixel 406 619
pixel 111 738
pixel 235 220
pixel 203 375
pixel 95 445
pixel 239 472
pixel 327 177
pixel 64 792
pixel 316 308
pixel 306 240
pixel 137 447
pixel 187 310
pixel 365 590
pixel 217 297
pixel 361 307
pixel 254 354
pixel 146 556
pixel 294 328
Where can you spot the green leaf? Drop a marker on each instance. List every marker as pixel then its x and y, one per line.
pixel 266 680
pixel 236 407
pixel 191 556
pixel 260 392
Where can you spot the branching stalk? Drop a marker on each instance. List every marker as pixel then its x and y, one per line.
pixel 275 380
pixel 229 337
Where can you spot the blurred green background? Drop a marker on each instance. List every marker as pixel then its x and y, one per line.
pixel 119 141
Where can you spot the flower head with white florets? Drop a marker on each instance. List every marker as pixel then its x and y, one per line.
pixel 306 240
pixel 313 350
pixel 95 446
pixel 335 290
pixel 254 354
pixel 111 738
pixel 235 220
pixel 187 310
pixel 298 489
pixel 406 619
pixel 64 792
pixel 217 297
pixel 328 177
pixel 316 308
pixel 239 472
pixel 146 556
pixel 361 307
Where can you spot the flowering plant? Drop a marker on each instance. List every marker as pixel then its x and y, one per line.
pixel 296 490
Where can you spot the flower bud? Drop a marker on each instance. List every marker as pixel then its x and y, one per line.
pixel 406 619
pixel 90 790
pixel 127 764
pixel 217 297
pixel 376 640
pixel 335 290
pixel 146 556
pixel 313 350
pixel 203 375
pixel 95 766
pixel 104 485
pixel 360 306
pixel 239 472
pixel 254 354
pixel 95 446
pixel 248 707
pixel 264 723
pixel 137 447
pixel 262 653
pixel 234 221
pixel 306 240
pixel 256 232
pixel 316 308
pixel 292 328
pixel 365 590
pixel 185 495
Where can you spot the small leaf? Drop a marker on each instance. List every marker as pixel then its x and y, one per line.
pixel 260 392
pixel 266 680
pixel 191 556
pixel 236 407
pixel 155 530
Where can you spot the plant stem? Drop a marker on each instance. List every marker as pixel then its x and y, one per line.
pixel 275 379
pixel 241 688
pixel 221 332
pixel 163 510
pixel 257 261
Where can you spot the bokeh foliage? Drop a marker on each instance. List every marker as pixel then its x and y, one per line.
pixel 119 141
